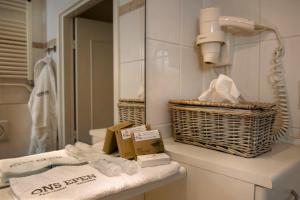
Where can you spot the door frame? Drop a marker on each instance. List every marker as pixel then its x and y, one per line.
pixel 65 67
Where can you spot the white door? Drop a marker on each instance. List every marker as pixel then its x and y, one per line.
pixel 93 76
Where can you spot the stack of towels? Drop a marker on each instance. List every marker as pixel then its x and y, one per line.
pixel 29 165
pixel 63 175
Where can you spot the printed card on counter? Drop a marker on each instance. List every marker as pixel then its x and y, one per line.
pixel 126 133
pixel 148 142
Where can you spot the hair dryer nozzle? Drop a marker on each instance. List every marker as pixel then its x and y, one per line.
pixel 211 52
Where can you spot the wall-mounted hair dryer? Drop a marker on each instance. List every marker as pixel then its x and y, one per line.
pixel 215 42
pixel 215 35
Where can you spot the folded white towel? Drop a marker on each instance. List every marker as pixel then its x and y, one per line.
pixel 28 165
pixel 84 182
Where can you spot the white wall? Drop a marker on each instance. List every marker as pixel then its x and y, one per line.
pixel 54 7
pixel 173 70
pixel 251 68
pixel 38 27
pixel 132 59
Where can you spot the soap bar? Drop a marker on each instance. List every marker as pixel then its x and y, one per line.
pixel 124 141
pixel 148 142
pixel 151 160
pixel 110 143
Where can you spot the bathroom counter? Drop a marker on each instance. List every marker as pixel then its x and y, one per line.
pixel 266 170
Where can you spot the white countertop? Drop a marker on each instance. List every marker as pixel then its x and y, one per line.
pixel 264 170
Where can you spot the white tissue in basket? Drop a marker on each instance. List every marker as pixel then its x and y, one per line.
pixel 221 89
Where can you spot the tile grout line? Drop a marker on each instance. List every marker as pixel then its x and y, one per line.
pixel 267 40
pixel 132 61
pixel 170 43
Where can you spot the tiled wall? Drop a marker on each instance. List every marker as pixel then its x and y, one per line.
pixel 132 42
pixel 172 66
pixel 173 70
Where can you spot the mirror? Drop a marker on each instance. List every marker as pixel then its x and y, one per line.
pixel 132 61
pixel 93 70
pixel 95 95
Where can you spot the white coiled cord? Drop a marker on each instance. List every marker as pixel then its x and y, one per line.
pixel 279 86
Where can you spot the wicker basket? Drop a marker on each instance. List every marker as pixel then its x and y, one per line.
pixel 132 110
pixel 244 129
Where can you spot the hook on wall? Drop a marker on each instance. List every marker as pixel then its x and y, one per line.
pixel 51 49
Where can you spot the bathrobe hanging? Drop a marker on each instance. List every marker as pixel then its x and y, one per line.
pixel 42 105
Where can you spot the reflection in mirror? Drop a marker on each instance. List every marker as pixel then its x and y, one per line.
pixel 15 119
pixel 86 77
pixel 93 72
pixel 132 61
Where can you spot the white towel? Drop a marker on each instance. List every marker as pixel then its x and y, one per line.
pixel 42 105
pixel 84 182
pixel 28 165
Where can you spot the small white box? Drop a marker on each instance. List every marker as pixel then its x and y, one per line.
pixel 151 160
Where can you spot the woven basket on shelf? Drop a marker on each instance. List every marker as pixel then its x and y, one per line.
pixel 242 129
pixel 132 110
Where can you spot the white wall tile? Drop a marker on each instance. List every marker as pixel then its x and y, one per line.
pixel 208 74
pixel 162 80
pixel 189 21
pixel 164 129
pixel 191 74
pixel 291 65
pixel 163 20
pixel 132 35
pixel 295 133
pixel 131 78
pixel 238 8
pixel 245 70
pixel 283 14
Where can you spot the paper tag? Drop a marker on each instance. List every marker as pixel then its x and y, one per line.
pixel 146 135
pixel 126 133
